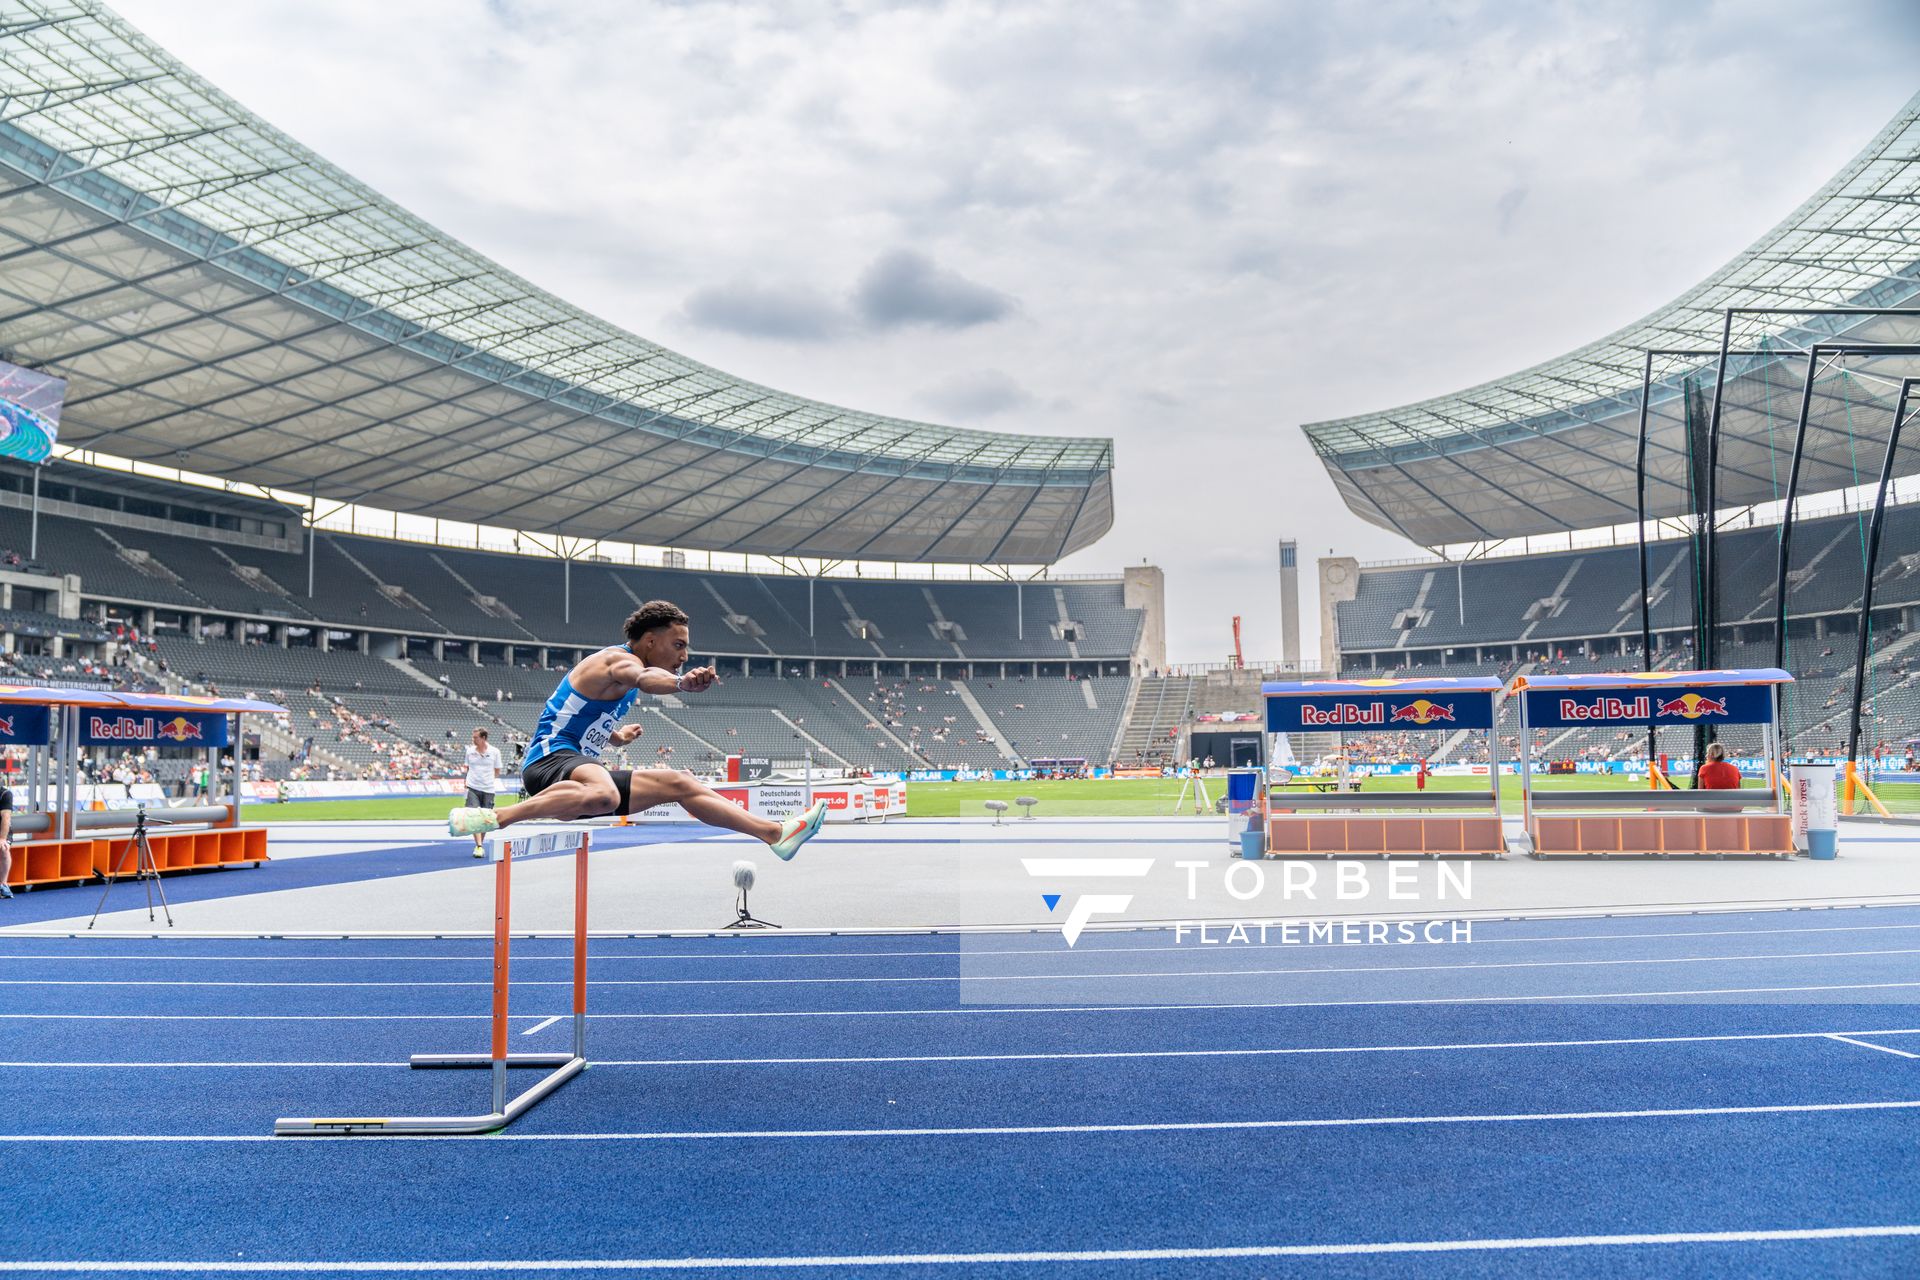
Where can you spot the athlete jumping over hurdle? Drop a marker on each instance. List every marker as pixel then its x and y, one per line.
pixel 562 774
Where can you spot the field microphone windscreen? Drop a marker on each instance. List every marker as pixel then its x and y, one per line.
pixel 743 874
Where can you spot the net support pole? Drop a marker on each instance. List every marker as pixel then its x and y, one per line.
pixel 1874 527
pixel 501 846
pixel 1710 655
pixel 1786 512
pixel 1640 531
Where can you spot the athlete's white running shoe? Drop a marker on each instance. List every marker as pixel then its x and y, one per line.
pixel 797 831
pixel 472 822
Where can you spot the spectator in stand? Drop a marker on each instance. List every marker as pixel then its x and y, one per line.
pixel 1717 774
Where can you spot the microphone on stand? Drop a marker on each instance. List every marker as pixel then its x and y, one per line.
pixel 743 881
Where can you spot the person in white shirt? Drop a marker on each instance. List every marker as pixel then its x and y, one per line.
pixel 483 777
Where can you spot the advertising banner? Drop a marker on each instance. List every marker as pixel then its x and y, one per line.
pixel 1712 704
pixel 120 727
pixel 1375 710
pixel 23 726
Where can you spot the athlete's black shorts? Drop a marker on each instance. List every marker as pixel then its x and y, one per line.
pixel 558 765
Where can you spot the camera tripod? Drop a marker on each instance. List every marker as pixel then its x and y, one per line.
pixel 143 868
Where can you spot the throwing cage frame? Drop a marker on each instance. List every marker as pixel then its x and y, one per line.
pixel 501 847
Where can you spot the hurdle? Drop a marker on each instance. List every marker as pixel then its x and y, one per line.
pixel 501 847
pixel 1636 822
pixel 1377 824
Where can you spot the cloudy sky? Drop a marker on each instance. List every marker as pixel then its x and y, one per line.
pixel 1188 227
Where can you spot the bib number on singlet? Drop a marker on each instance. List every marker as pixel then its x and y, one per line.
pixel 594 740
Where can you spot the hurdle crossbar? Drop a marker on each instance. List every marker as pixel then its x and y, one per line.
pixel 501 847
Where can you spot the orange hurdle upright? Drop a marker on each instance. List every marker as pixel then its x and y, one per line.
pixel 500 848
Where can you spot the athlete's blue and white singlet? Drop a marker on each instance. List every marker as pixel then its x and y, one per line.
pixel 571 722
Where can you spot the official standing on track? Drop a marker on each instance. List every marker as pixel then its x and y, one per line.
pixel 483 777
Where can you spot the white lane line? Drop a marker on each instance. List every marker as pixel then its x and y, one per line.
pixel 541 1026
pixel 1007 1258
pixel 748 951
pixel 896 979
pixel 982 1011
pixel 1898 1053
pixel 1002 1131
pixel 1077 1055
pixel 121 1066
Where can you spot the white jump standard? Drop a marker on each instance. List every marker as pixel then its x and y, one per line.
pixel 500 846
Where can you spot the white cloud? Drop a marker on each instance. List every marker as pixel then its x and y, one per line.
pixel 969 397
pixel 1221 219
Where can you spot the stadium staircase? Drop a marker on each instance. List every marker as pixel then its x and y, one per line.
pixel 415 674
pixel 818 745
pixel 394 595
pixel 863 711
pixel 1164 703
pixel 979 713
pixel 492 606
pixel 949 631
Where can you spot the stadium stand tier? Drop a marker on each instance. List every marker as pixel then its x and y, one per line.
pixel 399 649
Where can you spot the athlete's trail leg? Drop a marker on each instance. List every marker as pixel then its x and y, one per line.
pixel 581 796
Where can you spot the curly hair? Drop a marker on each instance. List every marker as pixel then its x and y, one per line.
pixel 652 616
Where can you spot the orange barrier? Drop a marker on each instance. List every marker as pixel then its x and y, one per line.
pixel 1716 835
pixel 1422 836
pixel 109 856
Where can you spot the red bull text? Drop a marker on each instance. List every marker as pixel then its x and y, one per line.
pixel 1688 706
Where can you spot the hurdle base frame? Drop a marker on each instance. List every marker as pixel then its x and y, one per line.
pixel 562 1067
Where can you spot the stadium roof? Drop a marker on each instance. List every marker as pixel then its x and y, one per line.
pixel 1552 448
pixel 225 301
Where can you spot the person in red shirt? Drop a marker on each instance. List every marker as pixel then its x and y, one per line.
pixel 1716 774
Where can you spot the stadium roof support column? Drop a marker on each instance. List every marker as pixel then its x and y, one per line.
pixel 1874 527
pixel 313 552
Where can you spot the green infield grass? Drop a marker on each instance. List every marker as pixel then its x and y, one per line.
pixel 1079 798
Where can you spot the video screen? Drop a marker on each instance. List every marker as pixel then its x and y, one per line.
pixel 29 412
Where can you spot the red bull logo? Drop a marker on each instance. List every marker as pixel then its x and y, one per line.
pixel 179 729
pixel 142 729
pixel 1691 706
pixel 1420 711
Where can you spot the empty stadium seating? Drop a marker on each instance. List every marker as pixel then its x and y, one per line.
pixel 364 583
pixel 1595 594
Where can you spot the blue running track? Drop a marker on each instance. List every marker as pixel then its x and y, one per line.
pixel 1724 1094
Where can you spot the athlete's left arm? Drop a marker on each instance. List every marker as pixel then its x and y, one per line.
pixel 657 680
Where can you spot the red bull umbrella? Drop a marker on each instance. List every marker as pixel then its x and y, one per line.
pixel 1460 702
pixel 41 696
